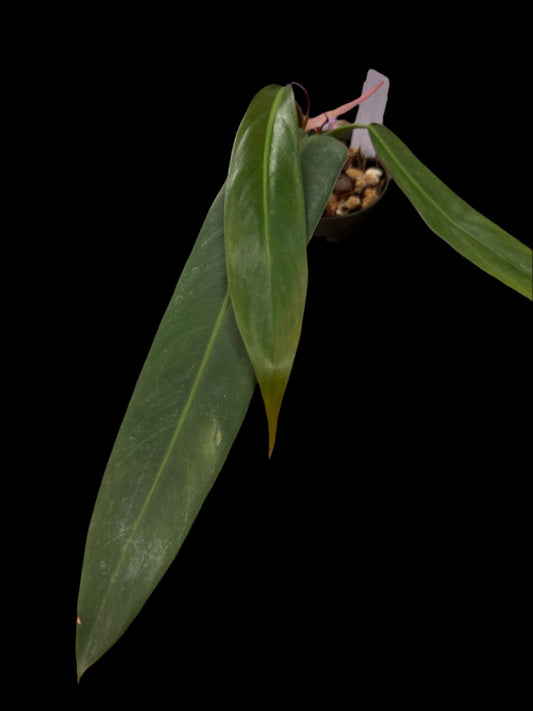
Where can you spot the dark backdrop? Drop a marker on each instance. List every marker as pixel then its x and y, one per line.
pixel 381 547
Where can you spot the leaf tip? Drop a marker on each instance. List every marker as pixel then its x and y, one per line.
pixel 271 443
pixel 272 418
pixel 80 671
pixel 272 399
pixel 82 664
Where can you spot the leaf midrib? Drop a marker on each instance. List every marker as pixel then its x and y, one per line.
pixel 179 426
pixel 266 203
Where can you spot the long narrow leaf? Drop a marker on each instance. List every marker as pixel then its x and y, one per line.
pixel 184 414
pixel 465 229
pixel 187 408
pixel 265 233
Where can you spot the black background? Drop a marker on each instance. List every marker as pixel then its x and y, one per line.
pixel 381 550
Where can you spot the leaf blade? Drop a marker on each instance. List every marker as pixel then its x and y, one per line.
pixel 265 236
pixel 474 236
pixel 187 407
pixel 138 500
pixel 322 158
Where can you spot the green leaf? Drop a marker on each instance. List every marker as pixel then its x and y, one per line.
pixel 185 412
pixel 187 407
pixel 474 236
pixel 322 159
pixel 265 233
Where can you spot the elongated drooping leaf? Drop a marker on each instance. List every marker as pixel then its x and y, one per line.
pixel 187 408
pixel 466 230
pixel 265 233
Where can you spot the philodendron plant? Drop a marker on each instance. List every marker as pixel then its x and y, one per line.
pixel 234 322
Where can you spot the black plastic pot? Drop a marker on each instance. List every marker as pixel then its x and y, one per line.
pixel 341 227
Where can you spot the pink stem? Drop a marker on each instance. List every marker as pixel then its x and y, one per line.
pixel 319 120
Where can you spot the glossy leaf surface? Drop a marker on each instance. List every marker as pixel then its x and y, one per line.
pixel 474 236
pixel 184 414
pixel 187 408
pixel 265 234
pixel 322 158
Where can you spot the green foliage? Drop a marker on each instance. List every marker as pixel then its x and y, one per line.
pixel 185 412
pixel 234 319
pixel 474 236
pixel 266 243
pixel 187 407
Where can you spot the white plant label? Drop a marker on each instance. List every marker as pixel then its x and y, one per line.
pixel 370 111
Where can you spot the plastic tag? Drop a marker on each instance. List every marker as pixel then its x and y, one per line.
pixel 370 111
